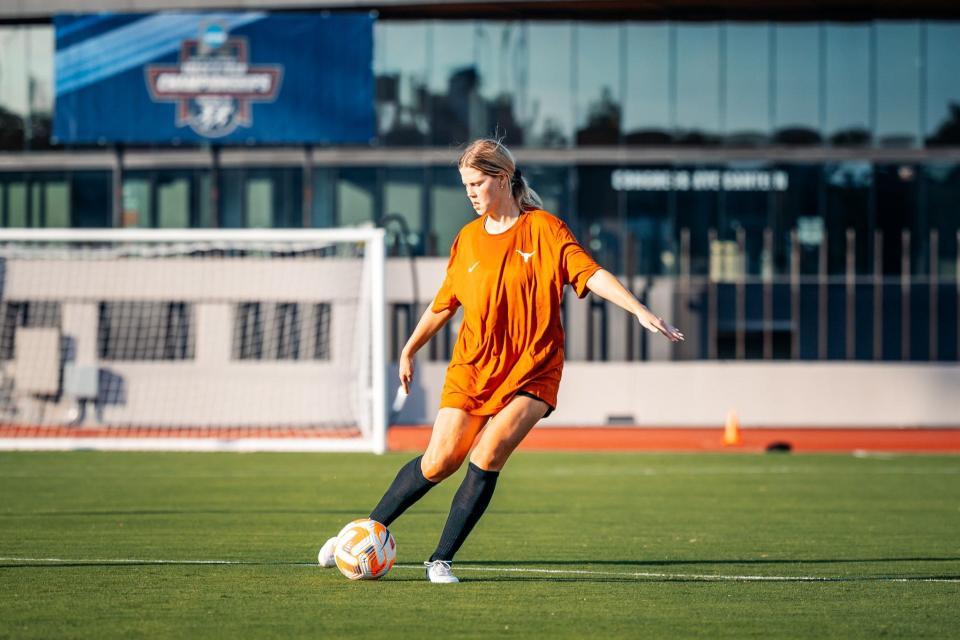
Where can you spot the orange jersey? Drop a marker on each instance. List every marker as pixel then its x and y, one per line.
pixel 510 286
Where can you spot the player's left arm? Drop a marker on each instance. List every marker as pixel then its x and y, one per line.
pixel 605 285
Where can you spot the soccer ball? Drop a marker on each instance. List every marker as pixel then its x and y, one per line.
pixel 365 550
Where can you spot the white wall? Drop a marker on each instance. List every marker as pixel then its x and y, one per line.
pixel 699 394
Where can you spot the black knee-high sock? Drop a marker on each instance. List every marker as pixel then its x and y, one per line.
pixel 469 503
pixel 409 486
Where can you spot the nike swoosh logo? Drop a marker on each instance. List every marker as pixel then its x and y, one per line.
pixel 526 256
pixel 473 266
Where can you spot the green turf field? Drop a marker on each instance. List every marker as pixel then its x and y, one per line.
pixel 573 545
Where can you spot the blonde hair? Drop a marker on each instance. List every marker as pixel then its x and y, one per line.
pixel 492 158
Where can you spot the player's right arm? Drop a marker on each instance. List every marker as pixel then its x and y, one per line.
pixel 430 323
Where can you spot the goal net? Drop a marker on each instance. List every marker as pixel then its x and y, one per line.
pixel 207 339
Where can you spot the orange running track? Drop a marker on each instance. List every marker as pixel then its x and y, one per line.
pixel 916 440
pixel 625 438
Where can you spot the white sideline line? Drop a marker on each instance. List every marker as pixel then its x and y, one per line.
pixel 705 577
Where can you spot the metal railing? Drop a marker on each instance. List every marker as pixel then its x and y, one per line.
pixel 728 313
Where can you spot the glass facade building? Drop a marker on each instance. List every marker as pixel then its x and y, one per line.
pixel 767 152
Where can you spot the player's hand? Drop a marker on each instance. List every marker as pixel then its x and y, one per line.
pixel 406 371
pixel 656 324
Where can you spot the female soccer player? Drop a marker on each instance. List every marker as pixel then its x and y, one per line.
pixel 507 270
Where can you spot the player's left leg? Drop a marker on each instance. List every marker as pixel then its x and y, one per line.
pixel 498 440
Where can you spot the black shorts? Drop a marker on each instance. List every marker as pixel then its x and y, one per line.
pixel 530 395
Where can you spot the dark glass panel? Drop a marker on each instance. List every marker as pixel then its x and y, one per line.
pixel 745 194
pixel 697 207
pixel 649 207
pixel 897 210
pixel 847 191
pixel 798 206
pixel 90 199
pixel 941 194
pixel 596 222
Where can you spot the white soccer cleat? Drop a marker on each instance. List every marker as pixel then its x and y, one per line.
pixel 325 557
pixel 440 572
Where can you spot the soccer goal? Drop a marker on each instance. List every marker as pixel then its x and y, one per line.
pixel 192 339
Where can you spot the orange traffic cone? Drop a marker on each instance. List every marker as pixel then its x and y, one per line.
pixel 731 432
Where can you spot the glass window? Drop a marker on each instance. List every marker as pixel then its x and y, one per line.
pixel 357 196
pixel 166 198
pixel 258 198
pixel 455 111
pixel 400 67
pixel 26 86
pixel 14 99
pixel 698 83
pixel 898 83
pixel 323 195
pixel 254 198
pixel 549 98
pixel 848 84
pixel 746 86
pixel 797 82
pixel 943 83
pixel 449 208
pixel 15 201
pixel 173 203
pixel 646 105
pixel 502 65
pixel 598 84
pixel 137 209
pixel 56 200
pixel 403 201
pixel 39 69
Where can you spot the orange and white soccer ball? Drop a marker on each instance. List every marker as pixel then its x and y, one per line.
pixel 365 550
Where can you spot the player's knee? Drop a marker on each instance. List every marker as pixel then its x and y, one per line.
pixel 490 458
pixel 438 467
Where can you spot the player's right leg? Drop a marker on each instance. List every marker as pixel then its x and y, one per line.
pixel 453 434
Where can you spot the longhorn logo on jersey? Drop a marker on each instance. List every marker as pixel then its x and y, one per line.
pixel 526 256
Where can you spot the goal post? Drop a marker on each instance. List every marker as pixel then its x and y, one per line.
pixel 193 339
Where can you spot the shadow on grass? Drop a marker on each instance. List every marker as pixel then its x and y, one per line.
pixel 675 563
pixel 190 512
